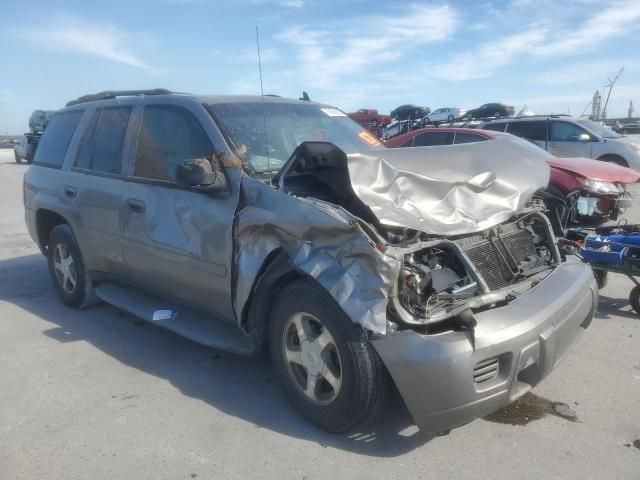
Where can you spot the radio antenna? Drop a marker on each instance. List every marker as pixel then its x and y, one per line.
pixel 264 113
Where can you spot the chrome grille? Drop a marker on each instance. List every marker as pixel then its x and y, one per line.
pixel 485 370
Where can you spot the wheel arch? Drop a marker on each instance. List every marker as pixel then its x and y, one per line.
pixel 46 221
pixel 614 157
pixel 277 271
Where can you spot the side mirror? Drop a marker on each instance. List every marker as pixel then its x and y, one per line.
pixel 584 137
pixel 199 175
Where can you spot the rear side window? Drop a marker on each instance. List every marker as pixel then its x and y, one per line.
pixel 496 127
pixel 463 137
pixel 529 130
pixel 54 143
pixel 430 139
pixel 102 142
pixel 168 135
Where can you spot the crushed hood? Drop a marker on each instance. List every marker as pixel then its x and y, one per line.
pixel 448 190
pixel 596 169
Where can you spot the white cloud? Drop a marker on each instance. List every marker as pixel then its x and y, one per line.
pixel 544 39
pixel 292 3
pixel 67 33
pixel 325 57
pixel 485 60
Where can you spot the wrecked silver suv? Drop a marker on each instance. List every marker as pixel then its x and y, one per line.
pixel 248 222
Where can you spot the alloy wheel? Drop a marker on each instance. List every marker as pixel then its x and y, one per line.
pixel 312 358
pixel 64 268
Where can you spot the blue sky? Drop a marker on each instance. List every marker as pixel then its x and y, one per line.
pixel 549 55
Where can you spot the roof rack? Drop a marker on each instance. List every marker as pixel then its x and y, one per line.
pixel 547 115
pixel 108 94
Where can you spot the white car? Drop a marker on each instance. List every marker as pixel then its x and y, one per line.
pixel 448 114
pixel 396 128
pixel 566 136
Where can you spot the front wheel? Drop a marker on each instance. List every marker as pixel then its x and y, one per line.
pixel 329 370
pixel 450 118
pixel 497 114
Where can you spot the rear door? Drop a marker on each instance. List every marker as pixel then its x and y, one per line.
pixel 176 241
pixel 533 130
pixel 95 186
pixel 564 140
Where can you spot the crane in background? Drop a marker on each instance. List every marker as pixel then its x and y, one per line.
pixel 610 87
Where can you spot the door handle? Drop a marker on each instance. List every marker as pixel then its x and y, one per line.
pixel 70 192
pixel 135 205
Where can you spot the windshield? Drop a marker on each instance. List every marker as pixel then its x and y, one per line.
pixel 601 130
pixel 287 126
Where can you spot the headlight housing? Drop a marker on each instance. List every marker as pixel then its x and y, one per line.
pixel 600 187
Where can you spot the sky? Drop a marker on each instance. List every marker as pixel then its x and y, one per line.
pixel 549 55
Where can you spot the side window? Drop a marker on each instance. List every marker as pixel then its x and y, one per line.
pixel 565 132
pixel 408 143
pixel 429 139
pixel 497 127
pixel 54 143
pixel 463 137
pixel 102 142
pixel 168 135
pixel 530 130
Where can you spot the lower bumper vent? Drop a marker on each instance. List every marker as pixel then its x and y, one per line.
pixel 486 370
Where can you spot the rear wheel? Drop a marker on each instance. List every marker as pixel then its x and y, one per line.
pixel 67 270
pixel 497 114
pixel 329 370
pixel 450 118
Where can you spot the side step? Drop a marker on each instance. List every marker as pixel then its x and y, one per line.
pixel 179 319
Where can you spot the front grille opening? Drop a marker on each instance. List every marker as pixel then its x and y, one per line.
pixel 486 370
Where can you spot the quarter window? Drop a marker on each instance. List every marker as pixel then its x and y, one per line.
pixel 168 136
pixel 498 127
pixel 565 132
pixel 54 143
pixel 463 137
pixel 531 130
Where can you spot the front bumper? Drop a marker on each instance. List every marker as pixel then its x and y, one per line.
pixel 449 379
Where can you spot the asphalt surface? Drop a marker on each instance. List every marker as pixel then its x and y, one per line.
pixel 95 394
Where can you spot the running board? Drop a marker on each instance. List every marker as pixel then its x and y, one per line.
pixel 179 319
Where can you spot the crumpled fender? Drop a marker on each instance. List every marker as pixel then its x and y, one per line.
pixel 320 240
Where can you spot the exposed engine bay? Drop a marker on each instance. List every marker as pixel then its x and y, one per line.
pixel 435 281
pixel 441 276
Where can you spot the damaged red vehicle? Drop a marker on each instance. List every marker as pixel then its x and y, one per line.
pixel 588 188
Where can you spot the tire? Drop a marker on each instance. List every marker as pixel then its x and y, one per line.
pixel 359 383
pixel 602 278
pixel 62 245
pixel 614 159
pixel 450 118
pixel 497 114
pixel 426 120
pixel 634 299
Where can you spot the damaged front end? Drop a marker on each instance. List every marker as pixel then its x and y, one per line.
pixel 448 279
pixel 442 257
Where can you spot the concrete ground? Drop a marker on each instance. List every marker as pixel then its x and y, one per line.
pixel 96 394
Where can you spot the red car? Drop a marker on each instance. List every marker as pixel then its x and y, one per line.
pixel 588 187
pixel 369 117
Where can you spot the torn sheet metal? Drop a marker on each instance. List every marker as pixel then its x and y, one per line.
pixel 448 190
pixel 321 240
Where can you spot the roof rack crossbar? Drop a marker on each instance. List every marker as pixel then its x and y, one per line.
pixel 108 94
